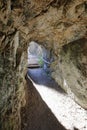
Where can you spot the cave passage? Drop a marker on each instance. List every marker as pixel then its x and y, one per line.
pixel 48 106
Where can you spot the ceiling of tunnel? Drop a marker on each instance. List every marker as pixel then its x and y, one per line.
pixel 52 22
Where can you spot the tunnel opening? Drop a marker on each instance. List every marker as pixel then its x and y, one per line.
pixel 39 66
pixel 39 56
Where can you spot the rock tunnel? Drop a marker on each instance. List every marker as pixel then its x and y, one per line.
pixel 57 25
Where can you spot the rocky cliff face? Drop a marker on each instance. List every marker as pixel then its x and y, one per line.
pixel 60 25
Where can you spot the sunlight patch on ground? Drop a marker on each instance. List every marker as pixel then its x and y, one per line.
pixel 64 108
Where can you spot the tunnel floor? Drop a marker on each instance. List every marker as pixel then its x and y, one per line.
pixel 48 106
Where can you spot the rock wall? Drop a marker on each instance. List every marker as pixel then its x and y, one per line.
pixel 59 25
pixel 70 71
pixel 13 59
pixel 12 82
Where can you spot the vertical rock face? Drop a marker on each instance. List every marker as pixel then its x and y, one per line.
pixel 59 25
pixel 71 70
pixel 12 83
pixel 13 59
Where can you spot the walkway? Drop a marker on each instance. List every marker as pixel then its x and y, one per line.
pixel 64 108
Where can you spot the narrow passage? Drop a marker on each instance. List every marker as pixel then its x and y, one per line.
pixel 49 106
pixel 36 115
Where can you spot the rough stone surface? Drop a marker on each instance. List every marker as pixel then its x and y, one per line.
pixel 71 70
pixel 54 24
pixel 12 83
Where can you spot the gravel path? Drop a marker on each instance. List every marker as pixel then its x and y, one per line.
pixel 68 112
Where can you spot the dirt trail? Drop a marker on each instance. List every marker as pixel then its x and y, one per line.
pixel 36 115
